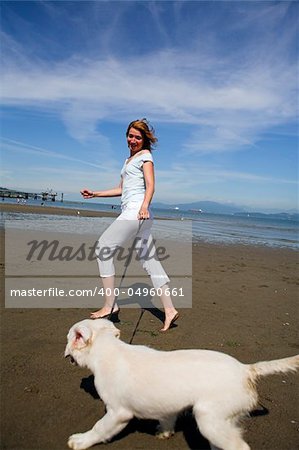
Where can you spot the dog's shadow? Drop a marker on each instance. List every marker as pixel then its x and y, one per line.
pixel 87 384
pixel 185 424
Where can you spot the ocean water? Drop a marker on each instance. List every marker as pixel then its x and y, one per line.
pixel 271 231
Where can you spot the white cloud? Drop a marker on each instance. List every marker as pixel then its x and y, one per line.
pixel 228 104
pixel 195 182
pixel 10 145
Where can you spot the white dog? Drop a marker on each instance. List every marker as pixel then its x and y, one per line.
pixel 136 381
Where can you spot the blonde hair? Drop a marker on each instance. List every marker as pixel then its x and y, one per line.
pixel 147 132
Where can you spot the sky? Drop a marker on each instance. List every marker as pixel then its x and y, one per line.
pixel 218 80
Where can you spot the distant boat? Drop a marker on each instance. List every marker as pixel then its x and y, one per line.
pixel 196 210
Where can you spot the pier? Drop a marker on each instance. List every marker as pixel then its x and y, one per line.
pixel 46 195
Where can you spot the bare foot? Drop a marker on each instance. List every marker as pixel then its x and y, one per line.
pixel 104 312
pixel 169 320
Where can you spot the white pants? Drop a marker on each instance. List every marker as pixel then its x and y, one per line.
pixel 124 228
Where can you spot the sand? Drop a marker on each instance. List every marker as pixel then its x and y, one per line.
pixel 27 209
pixel 245 303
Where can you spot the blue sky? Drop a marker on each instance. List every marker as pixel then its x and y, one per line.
pixel 216 79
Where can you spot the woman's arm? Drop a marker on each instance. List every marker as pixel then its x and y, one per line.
pixel 149 178
pixel 114 192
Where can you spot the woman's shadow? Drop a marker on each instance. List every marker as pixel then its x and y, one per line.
pixel 142 299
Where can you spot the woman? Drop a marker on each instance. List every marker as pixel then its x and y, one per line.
pixel 136 189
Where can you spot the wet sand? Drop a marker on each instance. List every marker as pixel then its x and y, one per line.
pixel 36 209
pixel 245 303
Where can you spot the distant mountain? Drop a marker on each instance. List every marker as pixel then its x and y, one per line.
pixel 204 206
pixel 211 207
pixel 162 205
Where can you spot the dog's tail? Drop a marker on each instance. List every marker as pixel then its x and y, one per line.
pixel 264 368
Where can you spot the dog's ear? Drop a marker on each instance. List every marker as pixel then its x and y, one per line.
pixel 82 336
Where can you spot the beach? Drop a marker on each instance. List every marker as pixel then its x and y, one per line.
pixel 54 210
pixel 244 303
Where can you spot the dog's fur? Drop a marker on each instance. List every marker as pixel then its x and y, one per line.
pixel 136 381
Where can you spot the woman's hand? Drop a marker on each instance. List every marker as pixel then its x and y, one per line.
pixel 143 213
pixel 87 193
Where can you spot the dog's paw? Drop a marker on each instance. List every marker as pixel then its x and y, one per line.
pixel 78 441
pixel 164 434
